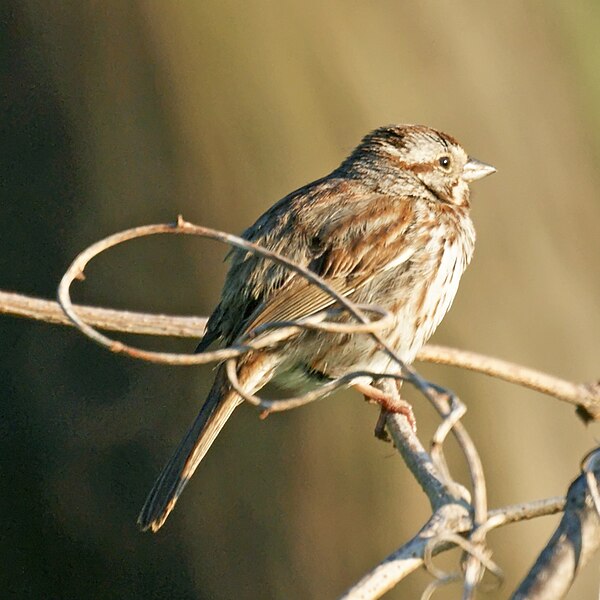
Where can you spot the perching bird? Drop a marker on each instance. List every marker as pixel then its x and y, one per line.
pixel 390 227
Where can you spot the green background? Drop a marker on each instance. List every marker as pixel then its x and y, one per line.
pixel 116 114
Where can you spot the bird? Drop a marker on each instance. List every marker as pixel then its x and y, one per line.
pixel 389 227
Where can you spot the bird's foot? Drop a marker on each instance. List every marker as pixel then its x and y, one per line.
pixel 388 405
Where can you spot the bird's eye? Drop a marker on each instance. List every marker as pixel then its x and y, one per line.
pixel 444 162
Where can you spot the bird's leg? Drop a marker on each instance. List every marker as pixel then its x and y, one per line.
pixel 380 431
pixel 388 404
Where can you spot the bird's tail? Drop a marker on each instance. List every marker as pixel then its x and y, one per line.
pixel 219 405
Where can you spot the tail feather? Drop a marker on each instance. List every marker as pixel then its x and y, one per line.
pixel 219 405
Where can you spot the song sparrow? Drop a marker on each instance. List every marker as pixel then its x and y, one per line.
pixel 390 226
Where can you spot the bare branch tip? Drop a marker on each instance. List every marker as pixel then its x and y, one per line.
pixel 117 347
pixel 591 461
pixel 589 410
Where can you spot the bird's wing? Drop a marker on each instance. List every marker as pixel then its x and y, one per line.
pixel 353 249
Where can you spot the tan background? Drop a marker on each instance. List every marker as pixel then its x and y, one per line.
pixel 123 113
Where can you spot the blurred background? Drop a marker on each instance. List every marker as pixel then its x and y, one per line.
pixel 116 114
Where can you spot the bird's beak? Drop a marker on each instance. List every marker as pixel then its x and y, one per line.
pixel 475 169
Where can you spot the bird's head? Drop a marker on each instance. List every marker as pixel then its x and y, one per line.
pixel 406 157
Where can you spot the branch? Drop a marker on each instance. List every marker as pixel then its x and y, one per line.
pixel 449 502
pixel 453 513
pixel 449 518
pixel 453 522
pixel 575 540
pixel 583 395
pixel 456 520
pixel 586 396
pixel 433 478
pixel 406 560
pixel 19 305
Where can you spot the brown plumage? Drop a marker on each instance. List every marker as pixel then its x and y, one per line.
pixel 390 226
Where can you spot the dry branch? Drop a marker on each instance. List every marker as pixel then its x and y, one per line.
pixel 107 319
pixel 585 395
pixel 460 518
pixel 575 541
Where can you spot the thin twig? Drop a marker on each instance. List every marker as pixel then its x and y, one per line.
pixel 181 227
pixel 581 394
pixel 452 409
pixel 523 512
pixel 280 405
